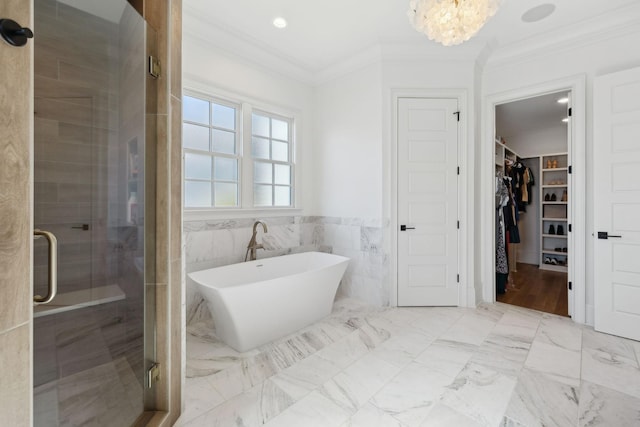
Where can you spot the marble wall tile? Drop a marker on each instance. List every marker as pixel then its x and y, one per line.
pixel 213 243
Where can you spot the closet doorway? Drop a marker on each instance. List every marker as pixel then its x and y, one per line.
pixel 533 212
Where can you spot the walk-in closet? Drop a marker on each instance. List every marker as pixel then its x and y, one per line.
pixel 532 194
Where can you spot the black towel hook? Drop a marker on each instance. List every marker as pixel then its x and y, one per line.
pixel 14 33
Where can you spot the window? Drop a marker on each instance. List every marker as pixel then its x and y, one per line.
pixel 226 168
pixel 210 153
pixel 272 166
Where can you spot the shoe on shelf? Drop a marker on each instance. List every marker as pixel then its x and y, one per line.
pixel 553 197
pixel 554 164
pixel 564 249
pixel 554 261
pixel 560 230
pixel 564 196
pixel 548 163
pixel 547 197
pixel 547 260
pixel 552 229
pixel 558 249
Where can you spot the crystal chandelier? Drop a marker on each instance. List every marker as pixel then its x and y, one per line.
pixel 451 22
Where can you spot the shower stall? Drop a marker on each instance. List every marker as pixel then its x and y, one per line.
pixel 94 193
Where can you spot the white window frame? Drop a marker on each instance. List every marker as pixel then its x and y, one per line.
pixel 213 154
pixel 289 162
pixel 245 108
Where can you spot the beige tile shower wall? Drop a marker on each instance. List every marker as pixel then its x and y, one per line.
pixel 76 143
pixel 16 127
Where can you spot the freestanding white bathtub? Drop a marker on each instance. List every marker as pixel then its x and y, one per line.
pixel 256 302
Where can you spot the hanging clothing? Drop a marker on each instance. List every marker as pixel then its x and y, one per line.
pixel 502 264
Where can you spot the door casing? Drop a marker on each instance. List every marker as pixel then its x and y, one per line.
pixel 576 86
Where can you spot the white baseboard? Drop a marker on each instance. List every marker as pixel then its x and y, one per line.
pixel 590 315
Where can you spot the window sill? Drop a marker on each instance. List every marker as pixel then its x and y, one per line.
pixel 206 214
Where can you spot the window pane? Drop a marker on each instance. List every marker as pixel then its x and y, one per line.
pixel 223 117
pixel 223 141
pixel 225 169
pixel 259 148
pixel 226 194
pixel 197 166
pixel 262 195
pixel 262 173
pixel 282 196
pixel 280 151
pixel 282 174
pixel 259 125
pixel 279 130
pixel 195 110
pixel 196 137
pixel 197 194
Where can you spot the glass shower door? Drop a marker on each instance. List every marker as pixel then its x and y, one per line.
pixel 89 182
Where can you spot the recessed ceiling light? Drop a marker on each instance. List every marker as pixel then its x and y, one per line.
pixel 280 22
pixel 538 13
pixel 563 100
pixel 566 120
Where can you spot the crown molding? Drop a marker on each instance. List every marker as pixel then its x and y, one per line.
pixel 250 50
pixel 615 24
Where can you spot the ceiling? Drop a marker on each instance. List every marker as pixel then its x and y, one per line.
pixel 530 115
pixel 324 33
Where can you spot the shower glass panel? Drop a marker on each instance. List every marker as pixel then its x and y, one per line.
pixel 91 354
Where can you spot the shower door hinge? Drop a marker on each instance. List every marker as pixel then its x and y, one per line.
pixel 569 228
pixel 570 286
pixel 154 67
pixel 570 170
pixel 153 375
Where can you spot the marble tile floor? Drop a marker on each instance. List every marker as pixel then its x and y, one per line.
pixel 496 365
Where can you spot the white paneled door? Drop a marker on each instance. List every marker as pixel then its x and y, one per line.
pixel 427 202
pixel 617 203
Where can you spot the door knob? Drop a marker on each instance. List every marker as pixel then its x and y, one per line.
pixel 405 228
pixel 13 33
pixel 604 235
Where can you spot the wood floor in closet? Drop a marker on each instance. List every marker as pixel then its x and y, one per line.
pixel 537 289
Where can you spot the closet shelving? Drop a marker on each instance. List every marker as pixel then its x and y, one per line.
pixel 554 211
pixel 503 153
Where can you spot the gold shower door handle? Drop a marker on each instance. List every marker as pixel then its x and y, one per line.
pixel 53 267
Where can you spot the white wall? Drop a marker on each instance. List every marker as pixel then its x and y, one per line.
pixel 540 141
pixel 348 145
pixel 593 57
pixel 215 72
pixel 432 78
